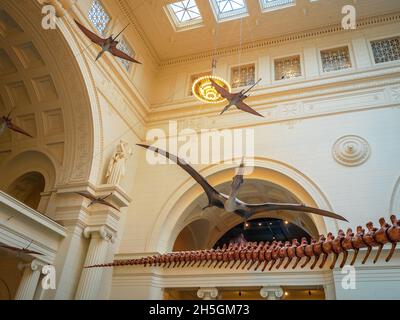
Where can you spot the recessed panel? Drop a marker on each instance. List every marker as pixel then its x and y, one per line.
pixel 45 89
pixel 6 64
pixel 29 56
pixel 26 122
pixel 8 26
pixel 18 94
pixel 53 122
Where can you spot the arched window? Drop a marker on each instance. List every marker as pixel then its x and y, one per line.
pixel 27 189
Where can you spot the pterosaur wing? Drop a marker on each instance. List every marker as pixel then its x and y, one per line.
pixel 120 54
pixel 27 251
pixel 15 128
pixel 212 194
pixel 255 208
pixel 86 195
pixel 222 91
pixel 92 36
pixel 106 203
pixel 244 107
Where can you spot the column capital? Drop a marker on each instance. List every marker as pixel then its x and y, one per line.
pixel 34 265
pixel 207 293
pixel 61 6
pixel 104 232
pixel 271 293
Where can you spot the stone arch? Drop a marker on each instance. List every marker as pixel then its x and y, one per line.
pixel 171 219
pixel 29 161
pixel 66 84
pixel 28 188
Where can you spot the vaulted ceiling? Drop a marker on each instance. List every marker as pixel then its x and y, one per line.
pixel 168 43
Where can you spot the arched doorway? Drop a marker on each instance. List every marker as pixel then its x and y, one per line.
pixel 213 226
pixel 287 183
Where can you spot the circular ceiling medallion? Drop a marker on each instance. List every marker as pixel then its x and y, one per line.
pixel 351 150
pixel 204 91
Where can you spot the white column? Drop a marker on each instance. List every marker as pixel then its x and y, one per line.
pixel 271 293
pixel 207 293
pixel 90 281
pixel 329 290
pixel 29 281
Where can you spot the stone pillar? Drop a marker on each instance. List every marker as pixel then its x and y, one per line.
pixel 90 281
pixel 329 290
pixel 207 293
pixel 272 293
pixel 29 281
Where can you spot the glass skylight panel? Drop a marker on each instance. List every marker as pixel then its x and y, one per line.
pixel 184 13
pixel 229 9
pixel 276 4
pixel 98 16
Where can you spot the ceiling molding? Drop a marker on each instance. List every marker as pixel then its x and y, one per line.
pixel 127 10
pixel 262 44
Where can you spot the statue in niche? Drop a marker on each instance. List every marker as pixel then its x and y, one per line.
pixel 117 166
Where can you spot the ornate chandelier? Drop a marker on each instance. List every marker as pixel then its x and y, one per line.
pixel 204 91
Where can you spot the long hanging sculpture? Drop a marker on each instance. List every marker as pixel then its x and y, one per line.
pixel 242 254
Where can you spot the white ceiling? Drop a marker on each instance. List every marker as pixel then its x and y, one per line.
pixel 305 15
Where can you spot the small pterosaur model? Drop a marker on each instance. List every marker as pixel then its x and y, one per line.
pixel 6 122
pixel 99 200
pixel 236 99
pixel 107 45
pixel 20 250
pixel 230 202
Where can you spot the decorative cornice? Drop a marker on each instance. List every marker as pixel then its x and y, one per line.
pixel 277 102
pixel 127 10
pixel 31 214
pixel 262 44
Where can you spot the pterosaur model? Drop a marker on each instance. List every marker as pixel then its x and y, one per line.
pixel 6 122
pixel 107 45
pixel 236 99
pixel 99 200
pixel 20 250
pixel 230 202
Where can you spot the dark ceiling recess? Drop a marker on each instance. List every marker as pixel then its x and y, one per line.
pixel 265 229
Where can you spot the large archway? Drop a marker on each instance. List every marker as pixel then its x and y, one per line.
pixel 206 227
pixel 47 83
pixel 185 207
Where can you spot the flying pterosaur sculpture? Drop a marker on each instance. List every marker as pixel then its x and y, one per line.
pixel 231 203
pixel 6 122
pixel 107 45
pixel 99 200
pixel 236 99
pixel 20 250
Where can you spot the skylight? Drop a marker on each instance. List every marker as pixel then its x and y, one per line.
pixel 229 9
pixel 184 13
pixel 99 17
pixel 268 5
